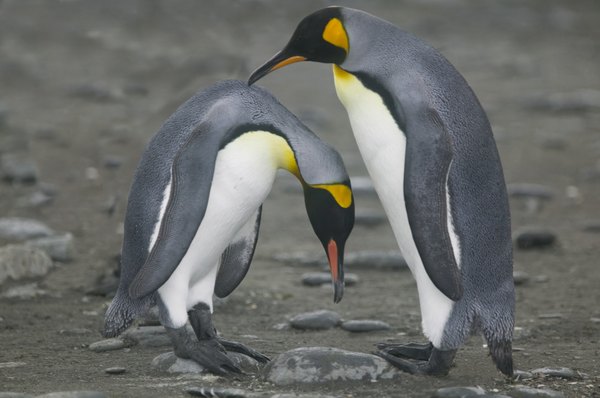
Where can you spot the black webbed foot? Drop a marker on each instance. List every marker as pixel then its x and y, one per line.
pixel 437 363
pixel 234 346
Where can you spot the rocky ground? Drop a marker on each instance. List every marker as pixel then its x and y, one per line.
pixel 84 85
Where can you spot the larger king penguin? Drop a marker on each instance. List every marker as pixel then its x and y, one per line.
pixel 194 209
pixel 429 149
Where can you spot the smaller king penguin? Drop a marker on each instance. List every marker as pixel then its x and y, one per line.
pixel 429 149
pixel 194 208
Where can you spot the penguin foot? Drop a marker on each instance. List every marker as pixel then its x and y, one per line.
pixel 438 364
pixel 208 353
pixel 420 351
pixel 234 346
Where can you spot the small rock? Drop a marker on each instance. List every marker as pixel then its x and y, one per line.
pixel 520 277
pixel 108 345
pixel 592 226
pixel 6 365
pixel 74 394
pixel 317 320
pixel 323 278
pixel 58 247
pixel 112 161
pixel 21 262
pixel 534 238
pixel 147 336
pixel 522 375
pixel 116 370
pixel 24 292
pixel 20 229
pixel 594 320
pixel 527 190
pixel 529 392
pixel 216 392
pixel 541 278
pixel 17 168
pixel 563 373
pixel 375 259
pixel 281 326
pixel 458 392
pixel 170 363
pixel 364 325
pixel 369 218
pixel 324 364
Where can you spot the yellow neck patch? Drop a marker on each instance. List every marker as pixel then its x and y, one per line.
pixel 335 34
pixel 340 192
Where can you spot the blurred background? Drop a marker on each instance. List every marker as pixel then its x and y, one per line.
pixel 84 85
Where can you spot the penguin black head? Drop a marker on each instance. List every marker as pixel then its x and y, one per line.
pixel 330 209
pixel 319 37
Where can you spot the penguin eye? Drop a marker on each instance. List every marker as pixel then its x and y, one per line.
pixel 334 33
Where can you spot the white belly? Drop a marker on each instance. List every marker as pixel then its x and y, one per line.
pixel 243 177
pixel 383 147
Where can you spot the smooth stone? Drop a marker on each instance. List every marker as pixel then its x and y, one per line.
pixel 323 278
pixel 316 320
pixel 595 320
pixel 541 278
pixel 364 325
pixel 58 247
pixel 21 262
pixel 8 394
pixel 563 373
pixel 592 226
pixel 459 392
pixel 16 168
pixel 147 336
pixel 170 363
pixel 112 161
pixel 375 259
pixel 369 218
pixel 108 345
pixel 216 392
pixel 520 277
pixel 74 394
pixel 527 190
pixel 20 229
pixel 115 370
pixel 529 392
pixel 24 292
pixel 534 238
pixel 325 364
pixel 522 375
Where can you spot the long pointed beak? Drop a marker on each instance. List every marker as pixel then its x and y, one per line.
pixel 280 60
pixel 336 264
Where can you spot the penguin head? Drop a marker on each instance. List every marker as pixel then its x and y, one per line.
pixel 319 37
pixel 330 209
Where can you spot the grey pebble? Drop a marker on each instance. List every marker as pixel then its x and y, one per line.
pixel 324 365
pixel 592 226
pixel 522 375
pixel 364 325
pixel 20 229
pixel 595 320
pixel 541 278
pixel 520 277
pixel 534 238
pixel 216 392
pixel 528 190
pixel 168 362
pixel 459 392
pixel 58 247
pixel 323 278
pixel 108 345
pixel 18 168
pixel 22 262
pixel 147 336
pixel 74 394
pixel 529 392
pixel 563 373
pixel 112 161
pixel 115 370
pixel 316 320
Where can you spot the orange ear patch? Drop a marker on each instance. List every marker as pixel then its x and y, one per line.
pixel 335 34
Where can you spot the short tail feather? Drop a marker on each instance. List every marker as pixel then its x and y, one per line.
pixel 122 312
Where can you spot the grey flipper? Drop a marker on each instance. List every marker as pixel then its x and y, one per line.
pixel 191 179
pixel 428 160
pixel 236 259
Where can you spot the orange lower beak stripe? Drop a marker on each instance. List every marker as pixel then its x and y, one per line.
pixel 288 61
pixel 332 253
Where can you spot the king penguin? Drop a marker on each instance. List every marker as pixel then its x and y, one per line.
pixel 194 208
pixel 429 149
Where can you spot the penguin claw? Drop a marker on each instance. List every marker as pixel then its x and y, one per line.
pixel 438 363
pixel 234 346
pixel 402 364
pixel 419 351
pixel 211 355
